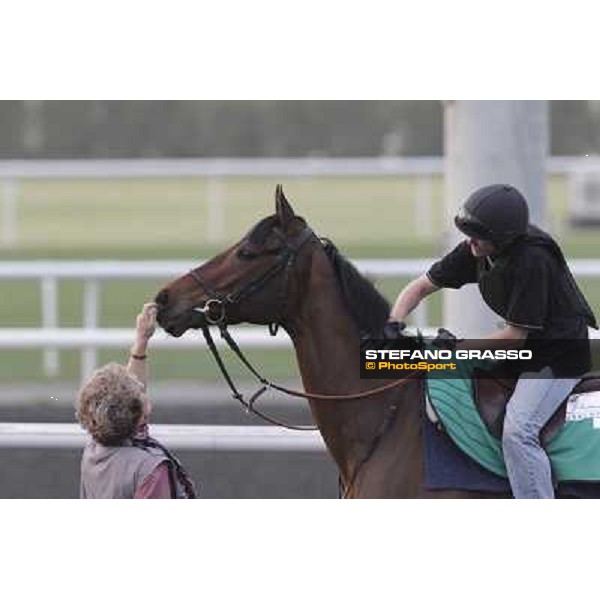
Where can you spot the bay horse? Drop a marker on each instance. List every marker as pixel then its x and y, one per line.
pixel 282 273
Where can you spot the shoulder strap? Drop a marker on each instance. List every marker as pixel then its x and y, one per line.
pixel 176 471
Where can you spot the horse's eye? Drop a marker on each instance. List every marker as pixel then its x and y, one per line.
pixel 246 254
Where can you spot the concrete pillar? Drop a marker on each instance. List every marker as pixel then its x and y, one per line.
pixel 490 142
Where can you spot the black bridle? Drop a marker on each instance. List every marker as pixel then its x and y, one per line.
pixel 215 313
pixel 286 257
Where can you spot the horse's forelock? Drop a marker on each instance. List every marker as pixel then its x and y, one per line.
pixel 258 234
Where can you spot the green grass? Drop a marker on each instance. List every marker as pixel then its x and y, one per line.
pixel 169 214
pixel 168 219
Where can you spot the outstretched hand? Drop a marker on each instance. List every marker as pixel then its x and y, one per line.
pixel 145 323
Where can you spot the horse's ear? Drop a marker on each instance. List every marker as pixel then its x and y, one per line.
pixel 282 207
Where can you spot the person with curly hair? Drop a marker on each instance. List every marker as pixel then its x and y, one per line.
pixel 121 460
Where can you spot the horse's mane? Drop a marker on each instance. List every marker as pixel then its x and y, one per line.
pixel 369 309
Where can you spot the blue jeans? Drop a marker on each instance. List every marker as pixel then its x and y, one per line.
pixel 531 406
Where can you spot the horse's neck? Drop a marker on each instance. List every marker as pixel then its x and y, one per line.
pixel 327 343
pixel 326 338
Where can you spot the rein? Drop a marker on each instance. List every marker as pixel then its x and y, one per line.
pixel 266 384
pixel 237 395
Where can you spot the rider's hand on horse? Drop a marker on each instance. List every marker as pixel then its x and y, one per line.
pixel 445 340
pixel 392 330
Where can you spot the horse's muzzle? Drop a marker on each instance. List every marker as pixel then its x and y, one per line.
pixel 175 321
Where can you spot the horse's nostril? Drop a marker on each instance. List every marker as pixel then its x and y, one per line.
pixel 162 298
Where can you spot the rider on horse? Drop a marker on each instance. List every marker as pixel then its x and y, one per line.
pixel 523 277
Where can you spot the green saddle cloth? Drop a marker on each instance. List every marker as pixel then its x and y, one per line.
pixel 574 450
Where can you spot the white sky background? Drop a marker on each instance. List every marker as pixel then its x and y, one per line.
pixel 311 49
pixel 297 50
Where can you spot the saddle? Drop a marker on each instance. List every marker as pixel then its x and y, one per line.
pixel 492 394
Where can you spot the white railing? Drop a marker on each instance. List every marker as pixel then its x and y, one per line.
pixel 249 167
pixel 214 170
pixel 89 341
pixel 93 273
pixel 134 168
pixel 89 338
pixel 187 437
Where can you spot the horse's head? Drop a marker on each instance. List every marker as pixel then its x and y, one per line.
pixel 248 282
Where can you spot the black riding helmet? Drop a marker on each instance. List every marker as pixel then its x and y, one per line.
pixel 495 213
